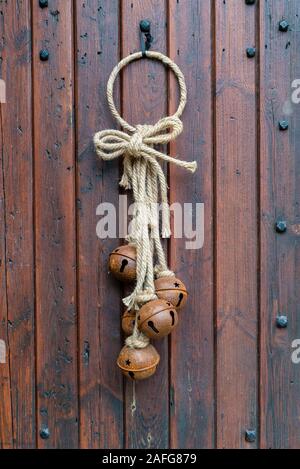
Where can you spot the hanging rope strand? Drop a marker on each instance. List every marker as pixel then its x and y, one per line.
pixel 161 267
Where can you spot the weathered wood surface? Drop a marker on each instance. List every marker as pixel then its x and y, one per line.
pixel 279 184
pixel 17 375
pixel 236 244
pixel 227 368
pixel 192 374
pixel 101 392
pixel 55 227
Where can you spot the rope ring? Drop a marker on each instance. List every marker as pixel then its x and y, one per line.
pixel 151 55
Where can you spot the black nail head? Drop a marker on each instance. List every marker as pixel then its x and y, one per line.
pixel 250 436
pixel 283 125
pixel 145 26
pixel 250 52
pixel 44 55
pixel 249 2
pixel 281 322
pixel 281 226
pixel 43 3
pixel 283 26
pixel 44 433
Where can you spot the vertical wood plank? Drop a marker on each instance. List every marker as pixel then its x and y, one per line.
pixel 6 428
pixel 56 352
pixel 236 224
pixel 144 101
pixel 101 383
pixel 192 344
pixel 17 324
pixel 279 188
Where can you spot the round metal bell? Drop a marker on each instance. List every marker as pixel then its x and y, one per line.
pixel 157 318
pixel 138 364
pixel 171 289
pixel 128 321
pixel 122 263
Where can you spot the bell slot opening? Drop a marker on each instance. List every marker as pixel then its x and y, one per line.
pixel 179 300
pixel 123 265
pixel 173 317
pixel 151 325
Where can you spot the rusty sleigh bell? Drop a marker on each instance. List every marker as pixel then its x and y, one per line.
pixel 171 289
pixel 122 263
pixel 138 364
pixel 128 321
pixel 157 318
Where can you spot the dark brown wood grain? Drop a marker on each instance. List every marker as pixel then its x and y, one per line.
pixel 144 100
pixel 17 412
pixel 6 429
pixel 279 188
pixel 236 224
pixel 56 316
pixel 101 383
pixel 192 344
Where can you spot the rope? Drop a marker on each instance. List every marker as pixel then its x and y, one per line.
pixel 143 174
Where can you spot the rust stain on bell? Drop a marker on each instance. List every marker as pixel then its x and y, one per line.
pixel 171 289
pixel 157 319
pixel 138 364
pixel 128 321
pixel 122 263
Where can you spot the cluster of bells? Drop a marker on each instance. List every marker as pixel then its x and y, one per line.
pixel 156 319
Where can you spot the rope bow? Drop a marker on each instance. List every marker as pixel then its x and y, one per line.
pixel 111 144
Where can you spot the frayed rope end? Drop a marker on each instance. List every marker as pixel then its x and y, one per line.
pixel 192 166
pixel 166 232
pixel 125 182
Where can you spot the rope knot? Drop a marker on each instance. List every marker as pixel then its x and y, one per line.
pixel 136 141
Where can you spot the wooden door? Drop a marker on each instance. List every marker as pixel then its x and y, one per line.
pixel 228 377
